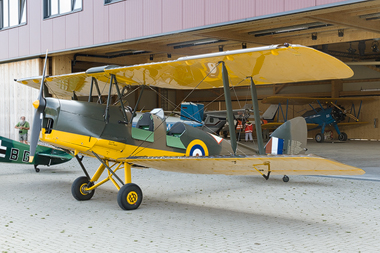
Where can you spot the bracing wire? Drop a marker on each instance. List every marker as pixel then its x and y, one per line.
pixel 176 106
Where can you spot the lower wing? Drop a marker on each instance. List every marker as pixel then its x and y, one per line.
pixel 352 123
pixel 252 165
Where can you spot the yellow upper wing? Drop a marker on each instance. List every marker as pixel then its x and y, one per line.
pixel 266 65
pixel 309 100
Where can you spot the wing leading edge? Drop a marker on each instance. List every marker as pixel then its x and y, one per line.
pixel 270 64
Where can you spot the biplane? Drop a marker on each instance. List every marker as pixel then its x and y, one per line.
pixel 16 152
pixel 329 113
pixel 104 130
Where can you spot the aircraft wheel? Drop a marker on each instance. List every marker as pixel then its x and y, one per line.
pixel 342 136
pixel 129 197
pixel 36 169
pixel 319 137
pixel 78 189
pixel 285 179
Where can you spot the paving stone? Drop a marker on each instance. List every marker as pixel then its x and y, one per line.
pixel 188 213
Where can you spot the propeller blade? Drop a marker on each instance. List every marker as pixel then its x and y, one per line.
pixel 36 128
pixel 352 116
pixel 345 112
pixel 38 116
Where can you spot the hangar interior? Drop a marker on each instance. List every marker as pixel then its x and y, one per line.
pixel 350 32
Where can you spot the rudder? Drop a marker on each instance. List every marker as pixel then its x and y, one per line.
pixel 289 139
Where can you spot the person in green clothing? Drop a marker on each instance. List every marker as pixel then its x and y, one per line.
pixel 23 127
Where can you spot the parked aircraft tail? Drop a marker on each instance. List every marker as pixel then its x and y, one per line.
pixel 289 139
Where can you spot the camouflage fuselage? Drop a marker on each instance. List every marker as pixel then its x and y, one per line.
pixel 82 128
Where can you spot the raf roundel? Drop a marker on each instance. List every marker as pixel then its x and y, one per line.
pixel 197 148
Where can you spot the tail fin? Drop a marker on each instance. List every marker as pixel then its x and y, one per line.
pixel 290 138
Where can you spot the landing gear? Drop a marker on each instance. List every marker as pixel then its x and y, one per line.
pixel 285 178
pixel 342 136
pixel 319 137
pixel 36 169
pixel 129 197
pixel 78 189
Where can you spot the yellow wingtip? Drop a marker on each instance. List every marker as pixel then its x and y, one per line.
pixel 31 158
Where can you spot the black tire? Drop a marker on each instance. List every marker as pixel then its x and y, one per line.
pixel 129 197
pixel 285 179
pixel 319 137
pixel 77 189
pixel 342 136
pixel 36 169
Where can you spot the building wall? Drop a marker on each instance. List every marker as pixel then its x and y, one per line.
pixel 16 99
pixel 100 24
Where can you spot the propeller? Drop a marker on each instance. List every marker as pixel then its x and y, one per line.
pixel 39 104
pixel 345 112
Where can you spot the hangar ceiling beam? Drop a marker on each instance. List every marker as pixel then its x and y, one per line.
pixel 242 37
pixel 332 37
pixel 349 21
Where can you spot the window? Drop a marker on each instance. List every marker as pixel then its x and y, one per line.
pixel 111 1
pixel 59 7
pixel 12 13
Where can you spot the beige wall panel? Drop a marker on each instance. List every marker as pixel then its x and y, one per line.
pixel 61 64
pixel 16 99
pixel 370 111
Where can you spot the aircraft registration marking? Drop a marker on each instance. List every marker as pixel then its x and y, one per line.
pixel 15 152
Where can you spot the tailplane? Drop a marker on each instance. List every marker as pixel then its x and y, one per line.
pixel 289 139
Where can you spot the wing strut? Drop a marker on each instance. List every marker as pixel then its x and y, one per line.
pixel 257 118
pixel 230 116
pixel 137 103
pixel 94 81
pixel 120 99
pixel 106 114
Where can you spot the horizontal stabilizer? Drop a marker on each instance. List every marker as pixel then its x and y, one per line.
pixel 62 155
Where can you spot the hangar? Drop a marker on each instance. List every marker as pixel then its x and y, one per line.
pixel 81 34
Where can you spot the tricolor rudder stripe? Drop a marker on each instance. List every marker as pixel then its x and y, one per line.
pixel 275 146
pixel 197 148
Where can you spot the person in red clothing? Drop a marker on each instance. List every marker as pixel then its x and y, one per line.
pixel 248 131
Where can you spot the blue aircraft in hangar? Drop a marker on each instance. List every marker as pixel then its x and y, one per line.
pixel 326 113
